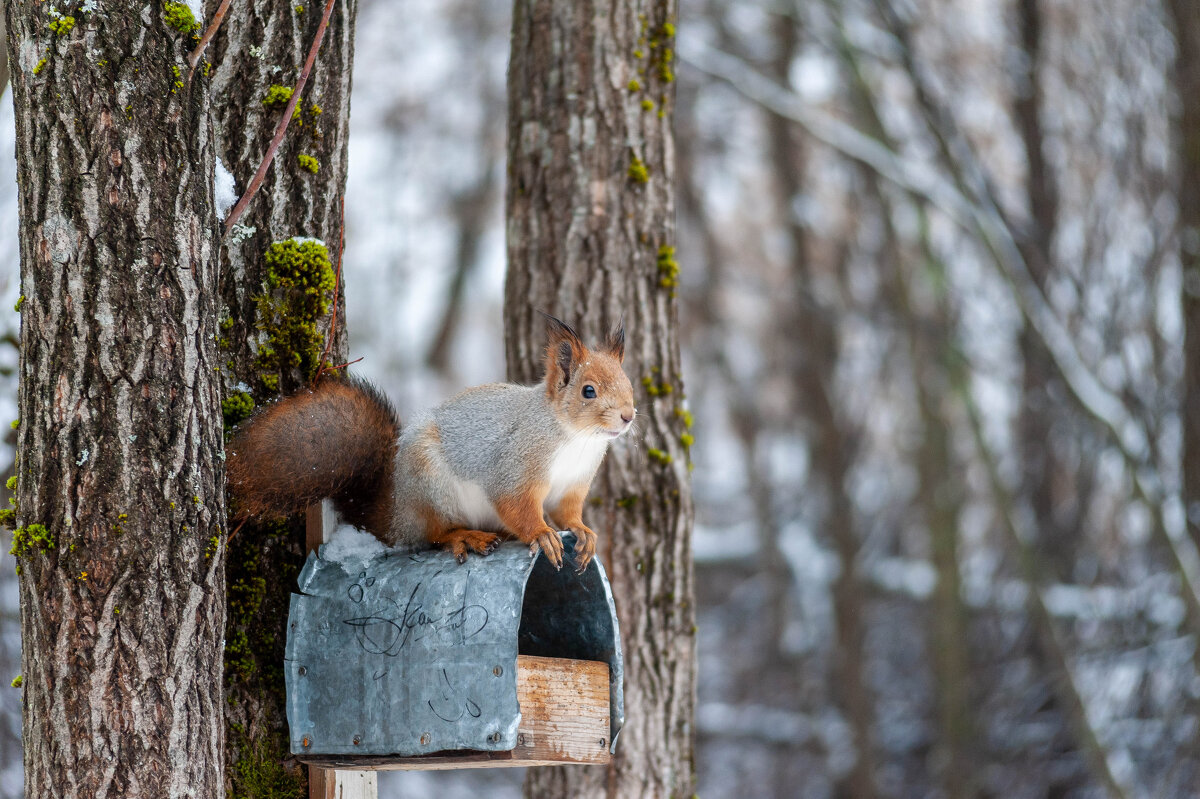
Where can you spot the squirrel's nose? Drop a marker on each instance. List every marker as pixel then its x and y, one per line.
pixel 627 415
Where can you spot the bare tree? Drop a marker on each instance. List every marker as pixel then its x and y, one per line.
pixel 591 239
pixel 120 508
pixel 1043 473
pixel 961 279
pixel 1187 146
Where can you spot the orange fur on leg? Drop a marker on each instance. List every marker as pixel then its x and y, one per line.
pixel 569 515
pixel 522 514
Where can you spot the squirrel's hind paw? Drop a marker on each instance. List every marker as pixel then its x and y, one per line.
pixel 461 541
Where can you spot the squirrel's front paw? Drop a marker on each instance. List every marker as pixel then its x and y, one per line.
pixel 585 547
pixel 551 546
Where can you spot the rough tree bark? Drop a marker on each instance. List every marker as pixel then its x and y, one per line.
pixel 3 57
pixel 590 206
pixel 1187 132
pixel 268 351
pixel 120 488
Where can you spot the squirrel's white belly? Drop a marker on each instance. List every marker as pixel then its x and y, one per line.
pixel 475 510
pixel 575 463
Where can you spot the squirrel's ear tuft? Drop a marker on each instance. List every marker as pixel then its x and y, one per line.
pixel 615 343
pixel 564 351
pixel 558 330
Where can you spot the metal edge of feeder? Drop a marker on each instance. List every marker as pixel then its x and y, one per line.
pixel 616 668
pixel 581 623
pixel 563 614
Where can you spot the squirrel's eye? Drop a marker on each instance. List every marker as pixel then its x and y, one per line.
pixel 589 392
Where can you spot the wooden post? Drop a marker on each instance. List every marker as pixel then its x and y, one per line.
pixel 330 783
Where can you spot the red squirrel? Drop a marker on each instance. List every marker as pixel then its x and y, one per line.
pixel 495 460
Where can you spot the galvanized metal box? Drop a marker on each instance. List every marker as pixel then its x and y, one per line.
pixel 408 654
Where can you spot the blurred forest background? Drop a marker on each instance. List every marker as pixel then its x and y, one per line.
pixel 933 304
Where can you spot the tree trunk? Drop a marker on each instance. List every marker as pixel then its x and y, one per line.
pixel 940 495
pixel 832 445
pixel 788 155
pixel 121 508
pixel 1043 472
pixel 1187 131
pixel 812 358
pixel 275 347
pixel 591 239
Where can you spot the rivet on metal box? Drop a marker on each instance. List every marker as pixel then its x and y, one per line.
pixel 411 660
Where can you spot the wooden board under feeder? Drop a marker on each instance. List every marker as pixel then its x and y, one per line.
pixel 564 719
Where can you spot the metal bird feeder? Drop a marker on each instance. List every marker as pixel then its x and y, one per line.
pixel 412 660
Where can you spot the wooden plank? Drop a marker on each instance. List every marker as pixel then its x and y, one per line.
pixel 564 710
pixel 319 524
pixel 330 784
pixel 564 720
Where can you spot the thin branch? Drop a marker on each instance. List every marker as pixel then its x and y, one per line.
pixel 347 363
pixel 217 19
pixel 281 130
pixel 237 530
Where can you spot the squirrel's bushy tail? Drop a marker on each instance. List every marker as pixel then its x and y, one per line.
pixel 336 441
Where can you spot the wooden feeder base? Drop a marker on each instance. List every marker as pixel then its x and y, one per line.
pixel 564 719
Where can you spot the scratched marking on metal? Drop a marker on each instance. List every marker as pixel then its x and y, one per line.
pixel 399 654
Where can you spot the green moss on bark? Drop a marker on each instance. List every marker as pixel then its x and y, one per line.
pixel 638 171
pixel 236 408
pixel 62 25
pixel 180 17
pixel 260 771
pixel 309 163
pixel 255 634
pixel 30 540
pixel 300 285
pixel 277 96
